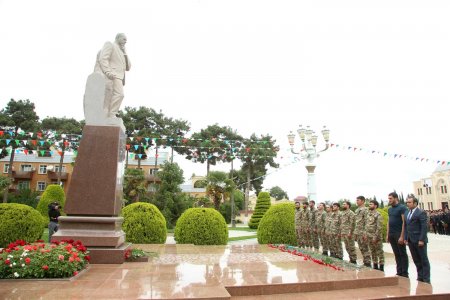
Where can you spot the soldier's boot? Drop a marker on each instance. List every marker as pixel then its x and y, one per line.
pixel 375 266
pixel 367 265
pixel 381 267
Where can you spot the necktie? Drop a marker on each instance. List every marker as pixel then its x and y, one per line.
pixel 409 215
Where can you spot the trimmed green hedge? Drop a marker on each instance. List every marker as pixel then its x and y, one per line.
pixel 19 222
pixel 385 215
pixel 277 225
pixel 262 205
pixel 144 224
pixel 52 193
pixel 201 226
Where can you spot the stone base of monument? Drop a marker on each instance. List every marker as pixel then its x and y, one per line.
pixel 103 236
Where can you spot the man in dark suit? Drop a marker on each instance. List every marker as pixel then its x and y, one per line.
pixel 416 238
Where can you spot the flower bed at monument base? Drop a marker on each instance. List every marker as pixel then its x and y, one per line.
pixel 21 260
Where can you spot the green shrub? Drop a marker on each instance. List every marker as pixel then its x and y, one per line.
pixel 52 193
pixel 385 216
pixel 19 222
pixel 277 225
pixel 144 224
pixel 25 196
pixel 201 226
pixel 262 205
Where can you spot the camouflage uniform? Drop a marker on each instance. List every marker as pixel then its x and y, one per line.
pixel 374 225
pixel 335 231
pixel 313 234
pixel 320 225
pixel 347 228
pixel 298 212
pixel 360 223
pixel 304 228
pixel 327 230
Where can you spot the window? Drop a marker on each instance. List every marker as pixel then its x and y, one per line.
pixel 41 186
pixel 25 168
pixel 153 171
pixel 445 189
pixel 431 204
pixel 5 168
pixel 428 189
pixel 42 169
pixel 23 185
pixel 63 169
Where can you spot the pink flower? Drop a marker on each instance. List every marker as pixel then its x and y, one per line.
pixel 75 273
pixel 71 259
pixel 7 262
pixel 45 267
pixel 27 260
pixel 61 257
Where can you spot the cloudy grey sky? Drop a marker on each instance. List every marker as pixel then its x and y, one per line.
pixel 375 72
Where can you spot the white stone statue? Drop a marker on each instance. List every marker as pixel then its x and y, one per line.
pixel 104 87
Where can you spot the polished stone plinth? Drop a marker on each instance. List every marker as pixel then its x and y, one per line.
pixel 221 272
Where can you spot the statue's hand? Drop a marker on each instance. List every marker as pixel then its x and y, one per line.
pixel 109 75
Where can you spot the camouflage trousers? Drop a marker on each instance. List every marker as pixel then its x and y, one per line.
pixel 298 235
pixel 314 238
pixel 349 243
pixel 364 248
pixel 305 238
pixel 323 241
pixel 336 246
pixel 376 250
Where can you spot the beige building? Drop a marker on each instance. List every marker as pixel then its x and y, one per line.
pixel 434 192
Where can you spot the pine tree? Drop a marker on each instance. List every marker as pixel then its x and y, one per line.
pixel 262 205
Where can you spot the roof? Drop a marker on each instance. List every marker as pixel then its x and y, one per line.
pixel 34 158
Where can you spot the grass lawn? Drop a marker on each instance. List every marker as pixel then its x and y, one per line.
pixel 243 229
pixel 240 238
pixel 45 235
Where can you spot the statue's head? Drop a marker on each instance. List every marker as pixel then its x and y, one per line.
pixel 121 39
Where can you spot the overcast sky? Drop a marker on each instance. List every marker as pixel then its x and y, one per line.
pixel 377 73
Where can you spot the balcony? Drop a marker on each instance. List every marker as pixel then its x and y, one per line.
pixel 152 178
pixel 54 175
pixel 22 174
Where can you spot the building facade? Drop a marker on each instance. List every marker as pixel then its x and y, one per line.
pixel 434 192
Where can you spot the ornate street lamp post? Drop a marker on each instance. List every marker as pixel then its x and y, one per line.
pixel 309 153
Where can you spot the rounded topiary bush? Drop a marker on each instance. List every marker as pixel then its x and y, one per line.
pixel 201 226
pixel 144 224
pixel 19 222
pixel 262 205
pixel 277 225
pixel 52 193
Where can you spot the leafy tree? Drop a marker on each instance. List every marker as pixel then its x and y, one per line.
pixel 278 193
pixel 169 198
pixel 24 196
pixel 134 185
pixel 17 115
pixel 66 135
pixel 256 154
pixel 212 145
pixel 4 182
pixel 218 186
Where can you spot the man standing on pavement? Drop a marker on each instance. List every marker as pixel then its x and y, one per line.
pixel 395 233
pixel 298 212
pixel 416 238
pixel 335 232
pixel 360 222
pixel 373 235
pixel 304 225
pixel 327 238
pixel 320 225
pixel 347 229
pixel 313 235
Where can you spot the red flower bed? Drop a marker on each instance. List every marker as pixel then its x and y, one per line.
pixel 38 260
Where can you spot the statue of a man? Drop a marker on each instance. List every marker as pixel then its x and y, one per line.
pixel 113 61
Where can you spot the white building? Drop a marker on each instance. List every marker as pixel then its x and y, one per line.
pixel 433 192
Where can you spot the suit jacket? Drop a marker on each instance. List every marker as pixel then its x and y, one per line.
pixel 112 59
pixel 417 226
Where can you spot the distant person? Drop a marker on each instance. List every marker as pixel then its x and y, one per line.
pixel 395 233
pixel 53 214
pixel 360 228
pixel 298 218
pixel 374 235
pixel 113 61
pixel 347 230
pixel 416 238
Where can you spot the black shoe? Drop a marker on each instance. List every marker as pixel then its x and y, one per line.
pixel 375 266
pixel 353 262
pixel 325 253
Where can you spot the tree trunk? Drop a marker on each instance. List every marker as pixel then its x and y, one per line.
pixel 247 192
pixel 61 160
pixel 11 160
pixel 126 160
pixel 207 166
pixel 233 215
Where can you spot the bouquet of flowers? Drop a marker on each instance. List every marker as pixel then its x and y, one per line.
pixel 39 260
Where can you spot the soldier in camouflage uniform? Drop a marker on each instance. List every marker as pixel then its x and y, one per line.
pixel 327 232
pixel 347 229
pixel 313 235
pixel 335 232
pixel 320 225
pixel 360 223
pixel 298 212
pixel 304 225
pixel 374 236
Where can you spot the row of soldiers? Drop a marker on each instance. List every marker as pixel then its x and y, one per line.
pixel 329 226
